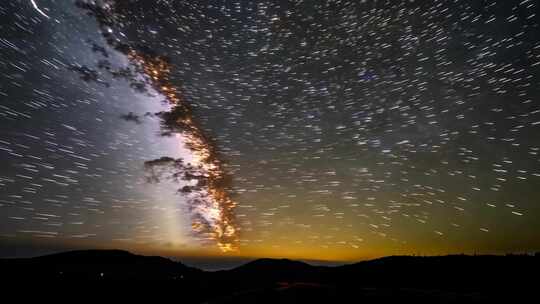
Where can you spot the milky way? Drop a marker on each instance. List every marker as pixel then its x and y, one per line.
pixel 211 204
pixel 323 129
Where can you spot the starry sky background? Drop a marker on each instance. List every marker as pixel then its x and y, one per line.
pixel 351 129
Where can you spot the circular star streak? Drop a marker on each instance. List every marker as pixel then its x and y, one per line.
pixel 333 130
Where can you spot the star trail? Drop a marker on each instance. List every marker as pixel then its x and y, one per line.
pixel 332 130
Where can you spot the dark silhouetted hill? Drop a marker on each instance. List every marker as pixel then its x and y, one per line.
pixel 96 265
pixel 438 279
pixel 274 270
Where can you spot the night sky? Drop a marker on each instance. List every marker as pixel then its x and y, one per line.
pixel 328 130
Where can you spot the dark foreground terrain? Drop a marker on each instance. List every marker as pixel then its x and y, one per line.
pixel 440 279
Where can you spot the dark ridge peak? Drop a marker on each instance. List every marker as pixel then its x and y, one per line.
pixel 97 264
pixel 101 256
pixel 92 253
pixel 271 270
pixel 268 262
pixel 436 258
pixel 272 260
pixel 112 257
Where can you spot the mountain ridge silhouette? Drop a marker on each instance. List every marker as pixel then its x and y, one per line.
pixel 448 279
